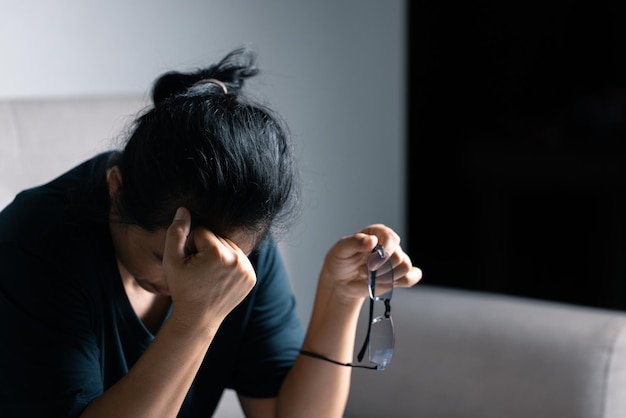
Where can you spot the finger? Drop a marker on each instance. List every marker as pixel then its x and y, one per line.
pixel 385 236
pixel 399 258
pixel 356 244
pixel 177 233
pixel 400 263
pixel 216 247
pixel 405 273
pixel 411 278
pixel 205 241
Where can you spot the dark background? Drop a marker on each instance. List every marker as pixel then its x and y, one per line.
pixel 517 139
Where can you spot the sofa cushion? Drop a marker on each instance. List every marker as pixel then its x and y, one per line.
pixel 468 354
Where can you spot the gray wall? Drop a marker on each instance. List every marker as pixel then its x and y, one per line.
pixel 333 68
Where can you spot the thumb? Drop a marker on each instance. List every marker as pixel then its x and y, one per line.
pixel 177 234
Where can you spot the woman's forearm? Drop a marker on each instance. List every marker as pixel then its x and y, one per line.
pixel 314 387
pixel 157 384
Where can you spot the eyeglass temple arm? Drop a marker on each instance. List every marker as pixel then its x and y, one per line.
pixel 387 308
pixel 320 357
pixel 369 331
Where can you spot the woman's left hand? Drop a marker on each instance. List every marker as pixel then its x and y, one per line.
pixel 345 269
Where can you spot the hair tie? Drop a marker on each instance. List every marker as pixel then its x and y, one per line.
pixel 211 81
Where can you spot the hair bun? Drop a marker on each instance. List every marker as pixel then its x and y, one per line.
pixel 231 71
pixel 169 85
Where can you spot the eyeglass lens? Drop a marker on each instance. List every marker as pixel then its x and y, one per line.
pixel 381 341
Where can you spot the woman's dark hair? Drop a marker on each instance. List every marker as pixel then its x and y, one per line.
pixel 221 155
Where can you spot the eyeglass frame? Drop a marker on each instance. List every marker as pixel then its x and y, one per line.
pixel 386 316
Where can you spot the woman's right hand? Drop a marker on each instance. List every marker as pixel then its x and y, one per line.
pixel 207 275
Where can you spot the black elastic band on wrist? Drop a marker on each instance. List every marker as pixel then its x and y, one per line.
pixel 321 357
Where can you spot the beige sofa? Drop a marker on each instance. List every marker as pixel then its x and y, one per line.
pixel 458 354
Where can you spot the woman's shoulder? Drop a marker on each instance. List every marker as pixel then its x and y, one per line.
pixel 43 219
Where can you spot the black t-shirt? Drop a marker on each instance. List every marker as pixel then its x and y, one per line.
pixel 67 327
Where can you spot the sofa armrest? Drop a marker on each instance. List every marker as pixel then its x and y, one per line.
pixel 467 354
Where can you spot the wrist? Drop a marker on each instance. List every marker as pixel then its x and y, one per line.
pixel 349 294
pixel 188 323
pixel 335 306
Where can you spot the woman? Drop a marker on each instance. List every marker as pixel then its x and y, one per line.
pixel 144 282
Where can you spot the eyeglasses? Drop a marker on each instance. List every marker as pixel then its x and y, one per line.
pixel 380 336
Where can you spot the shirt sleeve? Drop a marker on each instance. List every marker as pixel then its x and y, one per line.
pixel 49 359
pixel 273 337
